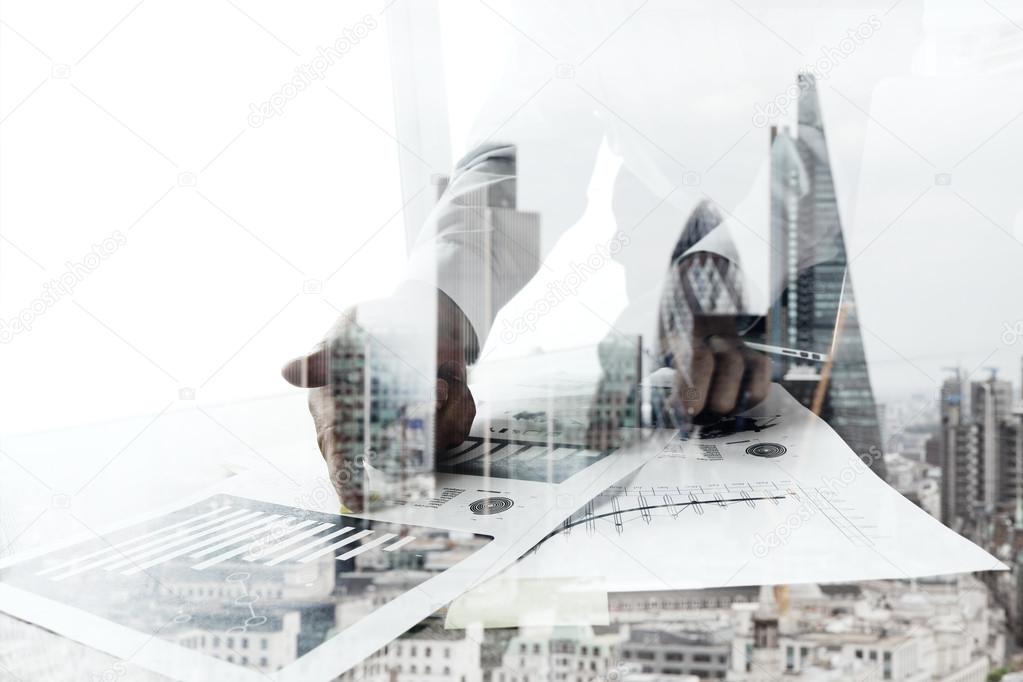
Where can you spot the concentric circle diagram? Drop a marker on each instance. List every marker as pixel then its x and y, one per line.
pixel 491 505
pixel 766 450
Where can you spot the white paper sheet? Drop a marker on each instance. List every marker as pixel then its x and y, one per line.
pixel 775 497
pixel 162 588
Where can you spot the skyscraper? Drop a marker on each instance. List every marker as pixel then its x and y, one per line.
pixel 960 453
pixel 991 402
pixel 1010 455
pixel 817 309
pixel 982 450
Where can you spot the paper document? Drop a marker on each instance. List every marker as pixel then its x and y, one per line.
pixel 188 591
pixel 774 496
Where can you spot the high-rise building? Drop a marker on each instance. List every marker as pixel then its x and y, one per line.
pixel 982 450
pixel 960 450
pixel 991 402
pixel 1010 455
pixel 817 310
pixel 932 451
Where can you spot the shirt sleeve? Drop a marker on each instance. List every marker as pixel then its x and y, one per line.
pixel 476 246
pixel 505 207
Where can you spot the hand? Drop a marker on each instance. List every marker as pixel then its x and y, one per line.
pixel 716 373
pixel 337 413
pixel 455 405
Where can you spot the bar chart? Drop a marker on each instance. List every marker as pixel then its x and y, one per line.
pixel 208 538
pixel 520 460
pixel 228 565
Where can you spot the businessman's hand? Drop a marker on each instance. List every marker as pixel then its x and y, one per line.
pixel 337 427
pixel 716 374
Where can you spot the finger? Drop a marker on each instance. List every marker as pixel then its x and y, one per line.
pixel 729 366
pixel 662 413
pixel 460 415
pixel 692 383
pixel 322 408
pixel 452 370
pixel 456 412
pixel 758 378
pixel 453 428
pixel 308 371
pixel 343 471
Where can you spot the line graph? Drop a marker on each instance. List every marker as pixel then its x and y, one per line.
pixel 620 506
pixel 847 520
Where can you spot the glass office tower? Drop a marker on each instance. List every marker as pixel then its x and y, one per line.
pixel 817 310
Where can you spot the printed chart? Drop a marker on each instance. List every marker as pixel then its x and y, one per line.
pixel 522 460
pixel 226 573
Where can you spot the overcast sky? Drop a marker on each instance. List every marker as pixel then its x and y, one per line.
pixel 924 121
pixel 244 241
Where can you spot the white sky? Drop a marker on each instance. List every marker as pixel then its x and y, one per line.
pixel 209 291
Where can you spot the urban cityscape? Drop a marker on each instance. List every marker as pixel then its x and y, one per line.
pixel 964 628
pixel 957 454
pixel 497 341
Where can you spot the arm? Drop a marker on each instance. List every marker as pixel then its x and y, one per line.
pixel 474 254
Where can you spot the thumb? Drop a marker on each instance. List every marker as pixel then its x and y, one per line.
pixel 308 371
